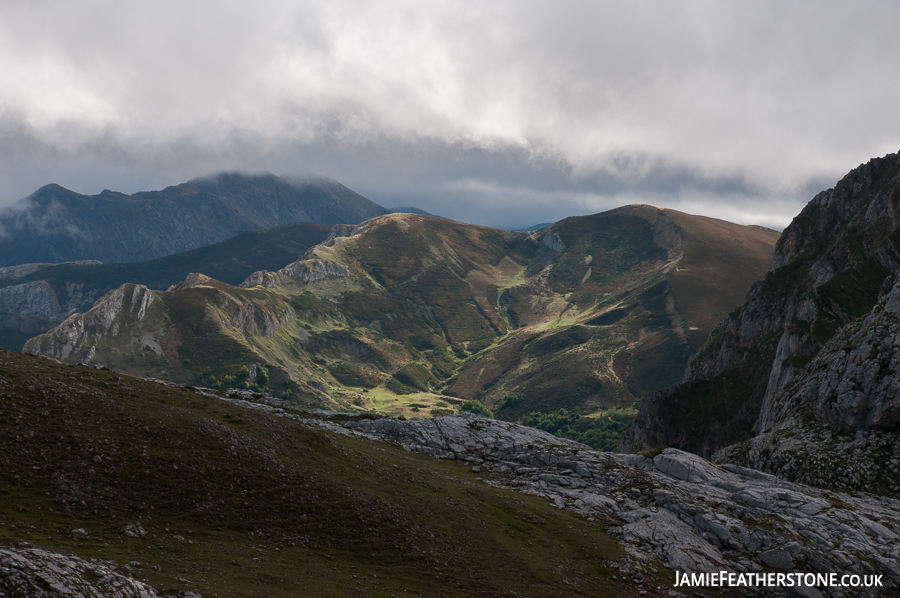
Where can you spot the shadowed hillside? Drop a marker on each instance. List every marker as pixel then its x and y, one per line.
pixel 833 264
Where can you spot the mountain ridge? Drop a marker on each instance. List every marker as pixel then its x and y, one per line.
pixel 55 224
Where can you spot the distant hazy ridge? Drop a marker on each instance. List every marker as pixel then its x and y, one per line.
pixel 57 225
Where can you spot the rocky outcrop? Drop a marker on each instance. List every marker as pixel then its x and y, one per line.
pixel 305 271
pixel 38 298
pixel 58 225
pixel 315 265
pixel 80 334
pixel 60 290
pixel 817 456
pixel 552 242
pixel 854 381
pixel 830 265
pixel 674 507
pixel 29 299
pixel 37 573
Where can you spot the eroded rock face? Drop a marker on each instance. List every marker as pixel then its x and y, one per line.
pixel 854 382
pixel 37 573
pixel 830 264
pixel 676 508
pixel 310 268
pixel 835 425
pixel 80 332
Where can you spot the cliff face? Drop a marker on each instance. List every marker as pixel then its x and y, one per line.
pixel 854 382
pixel 835 423
pixel 58 225
pixel 80 334
pixel 829 266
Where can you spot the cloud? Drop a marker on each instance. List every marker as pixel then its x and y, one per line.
pixel 494 109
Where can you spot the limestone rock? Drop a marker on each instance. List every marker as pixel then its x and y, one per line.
pixel 42 574
pixel 134 530
pixel 79 333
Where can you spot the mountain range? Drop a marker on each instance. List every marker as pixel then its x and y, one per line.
pixel 781 367
pixel 55 224
pixel 407 314
pixel 36 297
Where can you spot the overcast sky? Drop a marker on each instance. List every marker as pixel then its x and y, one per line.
pixel 500 113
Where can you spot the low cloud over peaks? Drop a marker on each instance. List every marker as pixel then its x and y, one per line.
pixel 739 110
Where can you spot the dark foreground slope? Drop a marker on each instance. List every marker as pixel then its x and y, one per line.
pixel 36 297
pixel 237 502
pixel 236 494
pixel 57 225
pixel 832 264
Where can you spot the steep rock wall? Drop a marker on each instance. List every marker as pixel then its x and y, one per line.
pixel 830 265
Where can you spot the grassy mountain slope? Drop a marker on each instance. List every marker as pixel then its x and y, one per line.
pixel 240 503
pixel 55 224
pixel 713 249
pixel 74 287
pixel 580 315
pixel 629 324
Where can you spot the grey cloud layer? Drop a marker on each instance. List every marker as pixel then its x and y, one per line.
pixel 738 110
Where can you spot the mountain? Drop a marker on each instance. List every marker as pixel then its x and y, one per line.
pixel 57 225
pixel 777 368
pixel 120 486
pixel 36 297
pixel 586 315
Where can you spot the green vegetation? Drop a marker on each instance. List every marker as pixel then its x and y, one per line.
pixel 415 375
pixel 600 430
pixel 476 407
pixel 230 261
